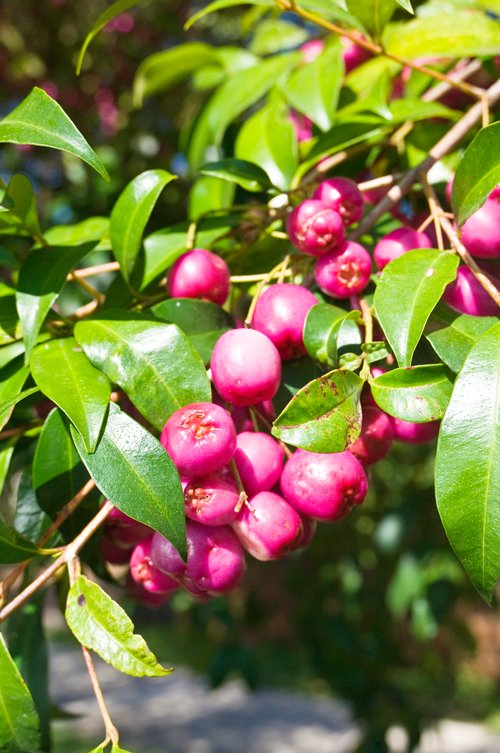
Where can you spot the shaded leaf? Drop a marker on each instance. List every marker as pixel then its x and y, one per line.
pixel 418 394
pixel 453 343
pixel 19 723
pixel 12 378
pixel 246 174
pixel 20 201
pixel 321 330
pixel 5 406
pixel 477 173
pixel 14 547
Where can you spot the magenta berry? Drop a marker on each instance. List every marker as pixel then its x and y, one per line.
pixel 481 232
pixel 410 433
pixel 199 274
pixel 259 459
pixel 467 295
pixel 397 243
pixel 113 553
pixel 200 438
pixel 375 439
pixel 343 195
pixel 352 54
pixel 314 228
pixel 268 527
pixel 311 49
pixel 246 367
pixel 144 572
pixel 165 556
pixel 149 598
pixel 309 526
pixel 280 314
pixel 344 272
pixel 211 499
pixel 216 561
pixel 123 530
pixel 324 486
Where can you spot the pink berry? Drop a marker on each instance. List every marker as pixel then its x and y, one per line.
pixel 199 274
pixel 211 499
pixel 137 591
pixel 467 295
pixel 200 438
pixel 375 439
pixel 344 272
pixel 246 367
pixel 324 486
pixel 352 54
pixel 302 124
pixel 343 195
pixel 259 459
pixel 269 527
pixel 311 50
pixel 280 314
pixel 113 553
pixel 309 526
pixel 314 228
pixel 397 243
pixel 481 232
pixel 144 572
pixel 407 431
pixel 123 530
pixel 165 556
pixel 216 561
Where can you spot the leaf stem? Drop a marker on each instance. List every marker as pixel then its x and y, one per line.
pixel 243 499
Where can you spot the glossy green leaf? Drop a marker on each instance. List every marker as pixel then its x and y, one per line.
pixel 406 4
pixel 30 520
pixel 11 350
pixel 131 213
pixel 268 139
pixel 40 121
pixel 453 343
pixel 407 291
pixel 41 279
pixel 313 89
pixel 373 14
pixel 325 415
pixel 418 394
pixel 477 173
pixel 133 470
pixel 65 376
pixel 19 199
pixel 5 406
pixel 19 724
pixel 92 229
pixel 321 330
pixel 100 624
pixel 246 174
pixel 14 547
pixel 202 321
pixel 375 351
pixel 468 467
pixel 152 361
pixel 12 378
pixel 119 6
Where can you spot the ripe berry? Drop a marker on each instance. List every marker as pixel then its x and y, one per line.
pixel 323 486
pixel 352 54
pixel 480 234
pixel 467 295
pixel 259 459
pixel 314 228
pixel 343 195
pixel 200 438
pixel 311 49
pixel 397 243
pixel 211 499
pixel 375 439
pixel 144 572
pixel 344 272
pixel 216 560
pixel 309 526
pixel 199 274
pixel 113 553
pixel 269 527
pixel 407 431
pixel 165 556
pixel 280 314
pixel 246 367
pixel 123 530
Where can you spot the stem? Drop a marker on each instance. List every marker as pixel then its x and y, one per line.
pixel 366 314
pixel 434 209
pixel 243 500
pixel 19 430
pixel 92 292
pixel 110 266
pixel 267 278
pixel 33 587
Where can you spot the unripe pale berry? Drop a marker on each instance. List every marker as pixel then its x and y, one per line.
pixel 480 234
pixel 314 228
pixel 144 572
pixel 411 433
pixel 199 274
pixel 268 527
pixel 397 243
pixel 467 295
pixel 280 314
pixel 246 367
pixel 200 438
pixel 211 499
pixel 343 195
pixel 375 439
pixel 344 272
pixel 324 486
pixel 216 561
pixel 259 459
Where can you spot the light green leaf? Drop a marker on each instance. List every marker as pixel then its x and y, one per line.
pixel 19 723
pixel 419 394
pixel 19 199
pixel 373 14
pixel 453 343
pixel 477 173
pixel 92 229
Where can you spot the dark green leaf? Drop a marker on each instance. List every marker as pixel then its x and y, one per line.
pixel 324 416
pixel 19 723
pixel 5 406
pixel 66 377
pixel 468 466
pixel 14 547
pixel 40 121
pixel 134 471
pixel 453 343
pixel 477 173
pixel 143 355
pixel 246 174
pixel 407 291
pixel 6 450
pixel 418 394
pixel 41 278
pixel 12 378
pixel 9 321
pixel 99 623
pixel 20 201
pixel 30 520
pixel 321 330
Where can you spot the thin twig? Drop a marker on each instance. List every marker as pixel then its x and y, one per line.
pixel 87 287
pixel 434 209
pixel 98 269
pixel 243 498
pixel 19 430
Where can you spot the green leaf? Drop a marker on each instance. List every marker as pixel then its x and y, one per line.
pixel 10 351
pixel 325 415
pixel 66 377
pixel 406 4
pixel 9 322
pixel 92 229
pixel 41 278
pixel 453 343
pixel 373 14
pixel 30 520
pixel 40 121
pixel 143 355
pixel 100 624
pixel 313 89
pixel 19 724
pixel 418 394
pixel 6 450
pixel 468 466
pixel 20 201
pixel 375 351
pixel 14 547
pixel 321 331
pixel 477 173
pixel 135 472
pixel 246 174
pixel 209 194
pixel 117 749
pixel 131 213
pixel 268 139
pixel 407 291
pixel 203 322
pixel 120 6
pixel 4 407
pixel 12 378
